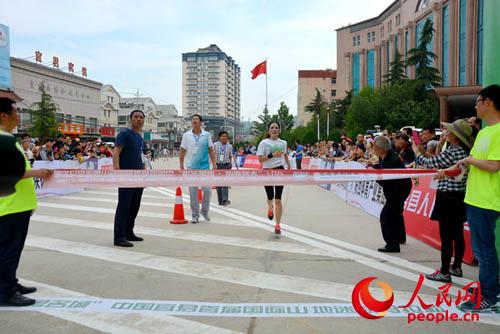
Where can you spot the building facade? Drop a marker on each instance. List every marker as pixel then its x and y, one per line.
pixel 146 105
pixel 365 49
pixel 211 86
pixel 171 126
pixel 309 80
pixel 78 98
pixel 108 115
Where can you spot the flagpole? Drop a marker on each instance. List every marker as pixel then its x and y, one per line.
pixel 266 83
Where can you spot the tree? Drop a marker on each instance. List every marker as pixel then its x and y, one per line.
pixel 366 110
pixel 317 107
pixel 422 58
pixel 260 127
pixel 283 118
pixel 44 116
pixel 396 70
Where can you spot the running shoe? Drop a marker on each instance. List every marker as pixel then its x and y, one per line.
pixel 439 276
pixel 485 306
pixel 270 214
pixel 456 272
pixel 277 231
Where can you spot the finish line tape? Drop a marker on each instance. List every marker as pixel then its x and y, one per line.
pixel 171 178
pixel 204 309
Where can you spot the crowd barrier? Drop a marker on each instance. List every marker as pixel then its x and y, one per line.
pixel 95 164
pixel 369 197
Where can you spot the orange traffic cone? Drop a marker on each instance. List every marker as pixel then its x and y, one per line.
pixel 178 209
pixel 200 195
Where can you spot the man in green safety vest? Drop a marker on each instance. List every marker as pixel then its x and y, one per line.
pixel 15 213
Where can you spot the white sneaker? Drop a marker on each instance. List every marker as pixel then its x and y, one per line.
pixel 206 216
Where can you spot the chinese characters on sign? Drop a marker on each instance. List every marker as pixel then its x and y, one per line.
pixel 71 129
pixel 38 56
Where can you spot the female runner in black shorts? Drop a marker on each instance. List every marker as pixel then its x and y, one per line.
pixel 272 154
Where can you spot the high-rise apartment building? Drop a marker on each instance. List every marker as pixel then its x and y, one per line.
pixel 211 88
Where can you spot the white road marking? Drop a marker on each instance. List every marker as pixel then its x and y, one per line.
pixel 142 213
pixel 317 240
pixel 108 322
pixel 114 194
pixel 198 237
pixel 284 283
pixel 112 200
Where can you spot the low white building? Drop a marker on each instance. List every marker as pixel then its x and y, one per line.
pixel 78 98
pixel 108 115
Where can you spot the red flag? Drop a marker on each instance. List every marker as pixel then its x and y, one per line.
pixel 259 69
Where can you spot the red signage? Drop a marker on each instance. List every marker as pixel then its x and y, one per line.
pixel 107 131
pixel 38 56
pixel 71 129
pixel 55 61
pixel 71 67
pixel 84 72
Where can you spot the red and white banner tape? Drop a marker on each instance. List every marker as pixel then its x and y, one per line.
pixel 172 178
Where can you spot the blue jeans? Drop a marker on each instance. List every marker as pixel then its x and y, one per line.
pixel 482 224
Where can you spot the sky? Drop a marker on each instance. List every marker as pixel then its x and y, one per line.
pixel 138 45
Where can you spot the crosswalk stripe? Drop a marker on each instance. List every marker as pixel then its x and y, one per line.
pixel 142 213
pixel 115 194
pixel 284 283
pixel 198 237
pixel 113 201
pixel 108 322
pixel 342 248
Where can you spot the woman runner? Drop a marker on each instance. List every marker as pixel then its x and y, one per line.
pixel 272 154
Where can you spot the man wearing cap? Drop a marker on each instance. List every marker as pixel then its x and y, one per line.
pixel 449 207
pixel 483 198
pixel 17 202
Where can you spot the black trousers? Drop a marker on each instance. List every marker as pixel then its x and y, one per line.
pixel 129 202
pixel 13 232
pixel 449 210
pixel 223 192
pixel 299 163
pixel 392 221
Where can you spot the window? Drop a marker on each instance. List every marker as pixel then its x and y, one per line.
pixel 334 81
pixel 446 45
pixel 358 39
pixel 354 41
pixel 480 28
pixel 355 72
pixel 67 119
pixel 369 37
pixel 373 36
pixel 80 120
pixel 60 118
pixel 370 68
pixel 334 93
pixel 93 124
pixel 462 53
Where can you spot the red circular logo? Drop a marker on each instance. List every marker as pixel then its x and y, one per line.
pixel 361 296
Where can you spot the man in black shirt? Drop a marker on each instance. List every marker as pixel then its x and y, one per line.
pixel 127 154
pixel 395 192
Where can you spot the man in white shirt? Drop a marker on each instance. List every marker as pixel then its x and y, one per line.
pixel 224 155
pixel 196 148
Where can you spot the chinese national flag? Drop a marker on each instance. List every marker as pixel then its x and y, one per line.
pixel 259 69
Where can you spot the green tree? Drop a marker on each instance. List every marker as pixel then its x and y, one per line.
pixel 422 58
pixel 259 127
pixel 366 110
pixel 396 70
pixel 317 107
pixel 283 118
pixel 44 116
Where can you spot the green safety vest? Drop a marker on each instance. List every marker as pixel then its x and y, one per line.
pixel 24 199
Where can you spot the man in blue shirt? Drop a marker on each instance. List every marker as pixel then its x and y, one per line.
pixel 127 154
pixel 299 154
